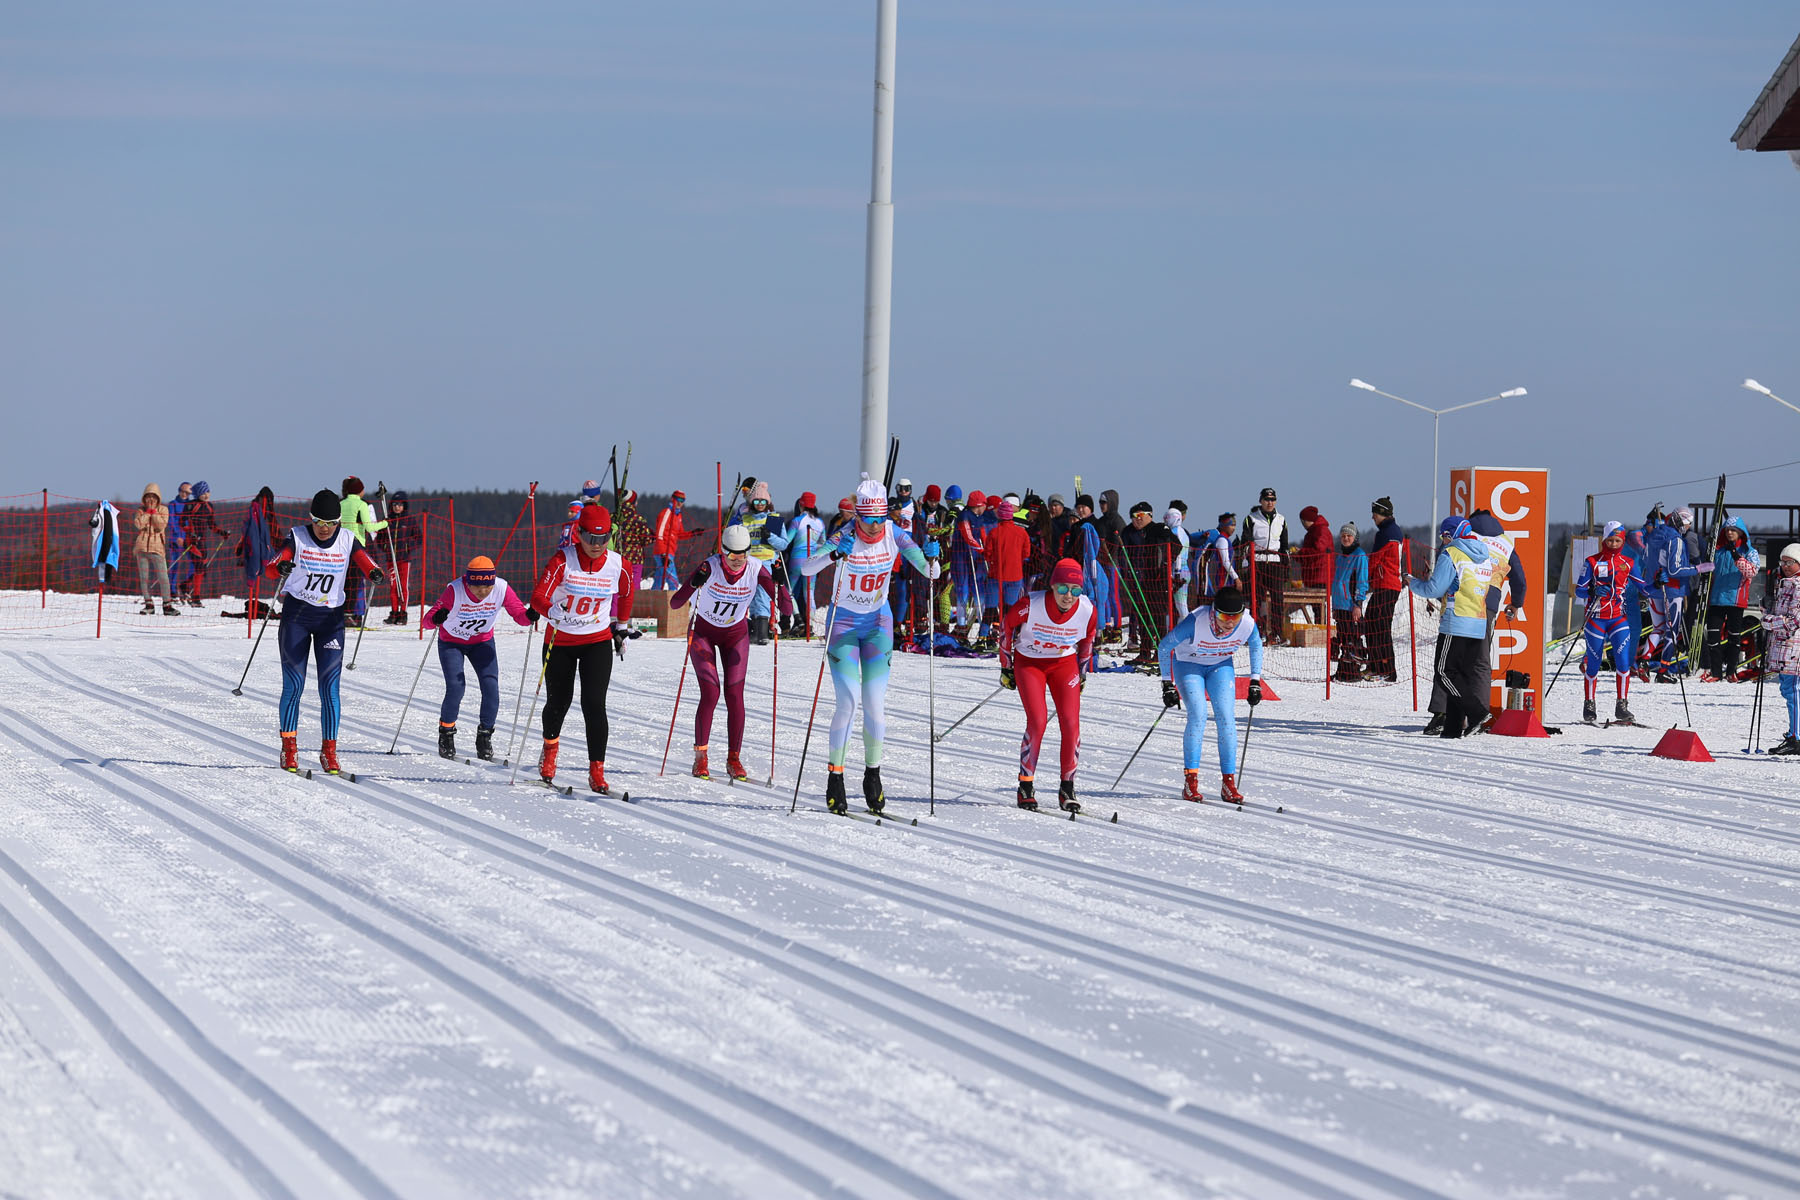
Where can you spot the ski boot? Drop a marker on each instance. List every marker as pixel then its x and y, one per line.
pixel 547 760
pixel 1228 789
pixel 446 740
pixel 399 616
pixel 873 796
pixel 149 610
pixel 290 752
pixel 328 755
pixel 1590 712
pixel 1027 799
pixel 701 770
pixel 1622 713
pixel 734 767
pixel 1666 677
pixel 597 778
pixel 1434 726
pixel 759 631
pixel 1065 797
pixel 484 743
pixel 1789 745
pixel 834 791
pixel 1191 787
pixel 169 610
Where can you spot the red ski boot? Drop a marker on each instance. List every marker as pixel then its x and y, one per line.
pixel 547 760
pixel 1228 789
pixel 1192 789
pixel 701 770
pixel 734 767
pixel 328 756
pixel 1027 798
pixel 290 752
pixel 597 778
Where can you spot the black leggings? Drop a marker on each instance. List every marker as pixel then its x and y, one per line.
pixel 594 662
pixel 1729 639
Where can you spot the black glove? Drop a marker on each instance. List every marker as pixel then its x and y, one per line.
pixel 698 578
pixel 618 641
pixel 531 615
pixel 1171 696
pixel 1253 693
pixel 377 576
pixel 1081 682
pixel 437 616
pixel 285 568
pixel 1006 679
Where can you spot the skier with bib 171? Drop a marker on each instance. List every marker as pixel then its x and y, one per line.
pixel 465 617
pixel 1198 661
pixel 312 566
pixel 860 641
pixel 721 589
pixel 1605 578
pixel 1047 644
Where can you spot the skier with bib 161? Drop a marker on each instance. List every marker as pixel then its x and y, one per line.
pixel 312 566
pixel 1605 578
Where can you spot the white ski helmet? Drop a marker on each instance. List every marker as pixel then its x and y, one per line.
pixel 737 539
pixel 1683 518
pixel 871 498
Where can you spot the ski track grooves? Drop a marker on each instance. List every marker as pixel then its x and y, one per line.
pixel 1276 1010
pixel 1272 1155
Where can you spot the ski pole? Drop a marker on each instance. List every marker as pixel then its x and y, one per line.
pixel 519 704
pixel 775 706
pixel 1140 746
pixel 1244 749
pixel 267 609
pixel 837 577
pixel 415 687
pixel 1567 655
pixel 938 737
pixel 362 622
pixel 549 641
pixel 931 683
pixel 676 711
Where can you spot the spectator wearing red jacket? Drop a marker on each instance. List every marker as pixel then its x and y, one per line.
pixel 1008 546
pixel 667 544
pixel 1315 548
pixel 1386 573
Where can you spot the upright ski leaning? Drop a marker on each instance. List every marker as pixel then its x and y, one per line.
pixel 1047 645
pixel 1198 659
pixel 860 641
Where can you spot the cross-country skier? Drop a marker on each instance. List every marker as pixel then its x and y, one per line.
pixel 580 594
pixel 465 616
pixel 1198 665
pixel 721 589
pixel 1670 569
pixel 861 637
pixel 313 565
pixel 1605 580
pixel 1047 643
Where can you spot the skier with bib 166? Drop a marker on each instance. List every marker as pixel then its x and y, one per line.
pixel 861 637
pixel 1197 658
pixel 312 567
pixel 1047 643
pixel 465 616
pixel 721 589
pixel 1602 587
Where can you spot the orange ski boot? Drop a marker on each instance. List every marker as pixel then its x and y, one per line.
pixel 1192 790
pixel 547 760
pixel 700 768
pixel 734 767
pixel 597 778
pixel 1228 789
pixel 290 752
pixel 328 756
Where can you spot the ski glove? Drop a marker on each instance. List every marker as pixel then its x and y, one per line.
pixel 377 576
pixel 285 568
pixel 437 616
pixel 531 615
pixel 618 641
pixel 931 548
pixel 1705 568
pixel 698 578
pixel 1253 694
pixel 1006 679
pixel 1171 694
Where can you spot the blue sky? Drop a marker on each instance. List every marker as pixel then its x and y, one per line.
pixel 1146 241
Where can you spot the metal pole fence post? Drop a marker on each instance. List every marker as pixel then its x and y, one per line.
pixel 44 554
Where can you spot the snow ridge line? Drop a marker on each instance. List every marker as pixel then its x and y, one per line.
pixel 1271 1148
pixel 755 1108
pixel 227 1143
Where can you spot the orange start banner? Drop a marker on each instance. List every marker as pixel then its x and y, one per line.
pixel 1520 498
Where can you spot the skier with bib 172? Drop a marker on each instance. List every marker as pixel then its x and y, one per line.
pixel 465 617
pixel 312 566
pixel 1605 578
pixel 860 641
pixel 1047 644
pixel 1198 661
pixel 721 589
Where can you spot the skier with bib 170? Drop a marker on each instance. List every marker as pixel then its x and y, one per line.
pixel 1605 580
pixel 465 616
pixel 1198 661
pixel 1047 644
pixel 860 641
pixel 721 589
pixel 312 566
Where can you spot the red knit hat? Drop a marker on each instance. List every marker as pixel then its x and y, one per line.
pixel 808 500
pixel 933 494
pixel 1065 571
pixel 846 505
pixel 595 519
pixel 977 498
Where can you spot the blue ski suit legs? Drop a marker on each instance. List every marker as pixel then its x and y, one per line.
pixel 1601 634
pixel 1214 685
pixel 486 662
pixel 860 648
pixel 321 629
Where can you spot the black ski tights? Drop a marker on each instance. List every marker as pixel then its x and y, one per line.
pixel 594 664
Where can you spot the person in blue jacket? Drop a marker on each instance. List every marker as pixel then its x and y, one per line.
pixel 1728 628
pixel 1349 595
pixel 1667 568
pixel 1465 568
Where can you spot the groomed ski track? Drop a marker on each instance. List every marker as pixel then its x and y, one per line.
pixel 1533 975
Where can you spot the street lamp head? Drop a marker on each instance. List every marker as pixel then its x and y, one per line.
pixel 1757 387
pixel 1357 383
pixel 1511 392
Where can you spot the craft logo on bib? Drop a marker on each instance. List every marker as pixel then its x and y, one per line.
pixel 470 618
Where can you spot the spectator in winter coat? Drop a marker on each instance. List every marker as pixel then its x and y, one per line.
pixel 806 533
pixel 664 572
pixel 1060 521
pixel 1006 549
pixel 150 546
pixel 1149 551
pixel 1782 621
pixel 768 537
pixel 968 562
pixel 1728 630
pixel 1265 542
pixel 1386 577
pixel 201 526
pixel 1349 595
pixel 356 516
pixel 1111 522
pixel 1315 548
pixel 178 559
pixel 1184 558
pixel 403 532
pixel 1087 546
pixel 257 542
pixel 1214 558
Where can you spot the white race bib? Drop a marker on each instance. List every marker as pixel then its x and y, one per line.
pixel 318 574
pixel 583 602
pixel 1043 637
pixel 722 602
pixel 862 574
pixel 471 618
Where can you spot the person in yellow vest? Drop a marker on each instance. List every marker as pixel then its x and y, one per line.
pixel 1460 578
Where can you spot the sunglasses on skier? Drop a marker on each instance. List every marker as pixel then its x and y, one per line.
pixel 1067 589
pixel 871 521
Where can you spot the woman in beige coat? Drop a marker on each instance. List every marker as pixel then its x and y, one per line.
pixel 151 520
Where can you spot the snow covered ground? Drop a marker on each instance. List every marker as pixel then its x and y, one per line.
pixel 1490 968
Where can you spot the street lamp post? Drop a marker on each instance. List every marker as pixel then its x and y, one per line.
pixel 1435 414
pixel 1757 387
pixel 879 263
